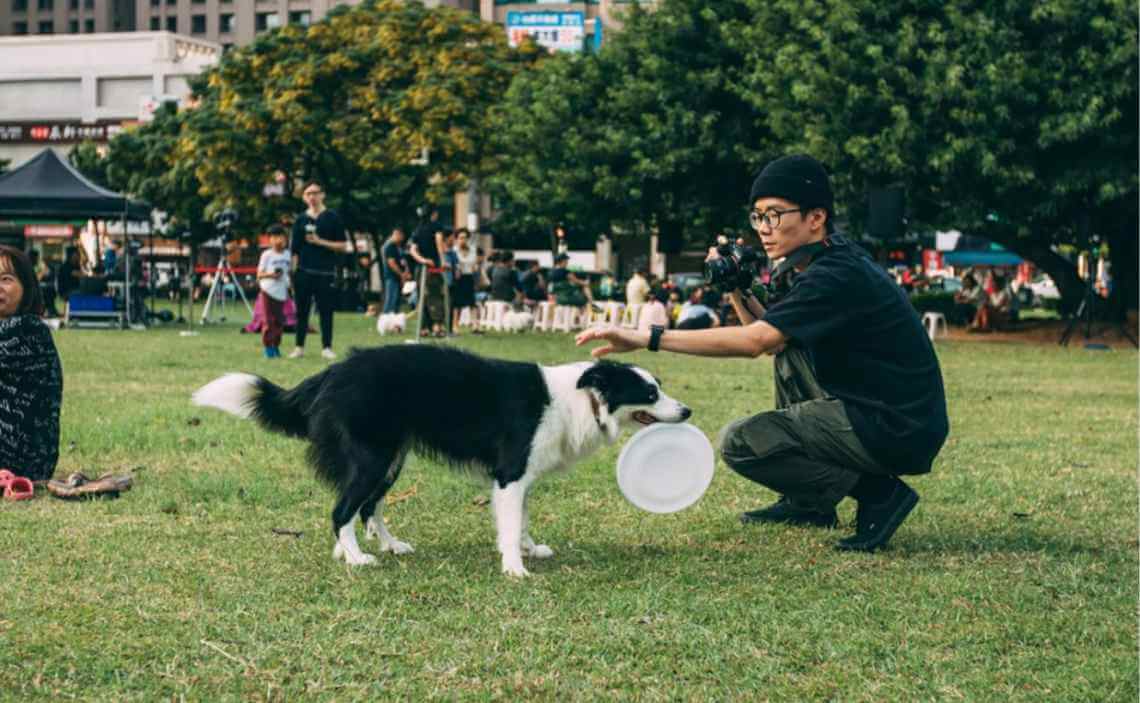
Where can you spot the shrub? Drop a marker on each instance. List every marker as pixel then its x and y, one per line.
pixel 933 302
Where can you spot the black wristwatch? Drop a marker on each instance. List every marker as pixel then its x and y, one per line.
pixel 655 333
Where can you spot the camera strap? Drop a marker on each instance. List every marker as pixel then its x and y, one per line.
pixel 782 275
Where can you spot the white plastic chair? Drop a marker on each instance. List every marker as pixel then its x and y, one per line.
pixel 631 315
pixel 494 311
pixel 614 311
pixel 566 318
pixel 933 321
pixel 544 316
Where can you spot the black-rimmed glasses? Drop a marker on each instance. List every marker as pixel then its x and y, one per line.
pixel 770 217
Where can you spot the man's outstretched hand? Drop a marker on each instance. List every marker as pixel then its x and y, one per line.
pixel 620 340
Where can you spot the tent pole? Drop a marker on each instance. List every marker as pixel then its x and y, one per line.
pixel 127 264
pixel 152 276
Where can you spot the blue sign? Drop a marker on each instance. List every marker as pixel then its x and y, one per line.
pixel 557 31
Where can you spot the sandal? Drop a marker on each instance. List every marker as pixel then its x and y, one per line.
pixel 16 487
pixel 78 485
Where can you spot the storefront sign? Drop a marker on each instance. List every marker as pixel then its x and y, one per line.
pixel 557 31
pixel 57 132
pixel 48 231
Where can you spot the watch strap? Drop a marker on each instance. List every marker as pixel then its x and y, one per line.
pixel 655 333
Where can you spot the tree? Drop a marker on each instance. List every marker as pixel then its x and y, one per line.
pixel 144 162
pixel 550 128
pixel 1012 119
pixel 354 102
pixel 649 132
pixel 85 157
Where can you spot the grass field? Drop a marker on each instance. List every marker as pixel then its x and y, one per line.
pixel 1015 579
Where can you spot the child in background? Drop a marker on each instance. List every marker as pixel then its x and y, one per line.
pixel 654 312
pixel 273 278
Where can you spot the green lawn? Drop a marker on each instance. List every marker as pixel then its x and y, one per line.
pixel 1015 578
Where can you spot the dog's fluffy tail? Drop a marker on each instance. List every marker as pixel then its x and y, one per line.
pixel 249 396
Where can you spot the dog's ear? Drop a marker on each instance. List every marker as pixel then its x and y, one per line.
pixel 600 376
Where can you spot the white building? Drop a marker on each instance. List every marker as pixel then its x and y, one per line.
pixel 60 90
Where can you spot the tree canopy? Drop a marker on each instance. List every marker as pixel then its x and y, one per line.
pixel 646 133
pixel 1012 119
pixel 354 101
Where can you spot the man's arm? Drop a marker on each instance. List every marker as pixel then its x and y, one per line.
pixel 421 259
pixel 344 247
pixel 394 265
pixel 750 341
pixel 748 308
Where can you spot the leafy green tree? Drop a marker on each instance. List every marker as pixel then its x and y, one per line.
pixel 1011 119
pixel 355 101
pixel 85 157
pixel 649 132
pixel 143 162
pixel 549 140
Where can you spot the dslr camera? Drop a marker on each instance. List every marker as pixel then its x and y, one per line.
pixel 226 219
pixel 736 268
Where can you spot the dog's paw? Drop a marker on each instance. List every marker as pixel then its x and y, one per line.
pixel 340 553
pixel 515 570
pixel 362 560
pixel 539 551
pixel 398 547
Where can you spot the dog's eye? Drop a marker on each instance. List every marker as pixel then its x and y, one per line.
pixel 652 396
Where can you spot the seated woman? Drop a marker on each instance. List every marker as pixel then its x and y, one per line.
pixel 566 287
pixel 995 313
pixel 700 312
pixel 967 300
pixel 30 373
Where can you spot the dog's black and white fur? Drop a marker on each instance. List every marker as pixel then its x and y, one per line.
pixel 515 420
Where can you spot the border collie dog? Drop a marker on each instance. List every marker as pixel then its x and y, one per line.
pixel 514 420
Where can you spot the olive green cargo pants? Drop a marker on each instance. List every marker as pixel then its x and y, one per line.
pixel 806 449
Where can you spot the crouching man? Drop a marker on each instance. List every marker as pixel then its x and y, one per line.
pixel 859 394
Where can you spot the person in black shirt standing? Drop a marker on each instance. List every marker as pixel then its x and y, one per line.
pixel 859 391
pixel 426 250
pixel 318 239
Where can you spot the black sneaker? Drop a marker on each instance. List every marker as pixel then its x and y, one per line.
pixel 874 524
pixel 784 512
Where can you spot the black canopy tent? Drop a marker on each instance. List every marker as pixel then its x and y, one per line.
pixel 47 187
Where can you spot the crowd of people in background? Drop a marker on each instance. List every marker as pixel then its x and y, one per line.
pixel 453 274
pixel 469 276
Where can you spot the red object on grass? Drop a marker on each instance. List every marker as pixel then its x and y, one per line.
pixel 16 487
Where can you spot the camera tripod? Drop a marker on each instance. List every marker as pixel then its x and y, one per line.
pixel 1084 313
pixel 218 288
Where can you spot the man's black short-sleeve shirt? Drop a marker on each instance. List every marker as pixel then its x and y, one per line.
pixel 424 239
pixel 310 257
pixel 869 350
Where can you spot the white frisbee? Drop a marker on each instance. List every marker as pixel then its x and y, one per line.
pixel 665 467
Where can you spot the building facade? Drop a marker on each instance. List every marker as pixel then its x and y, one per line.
pixel 565 26
pixel 22 17
pixel 59 91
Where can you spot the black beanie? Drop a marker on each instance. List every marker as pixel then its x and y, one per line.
pixel 799 179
